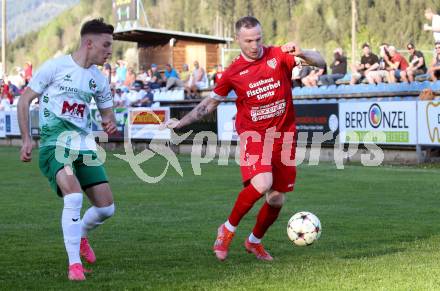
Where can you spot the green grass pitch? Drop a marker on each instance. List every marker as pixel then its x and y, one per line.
pixel 381 231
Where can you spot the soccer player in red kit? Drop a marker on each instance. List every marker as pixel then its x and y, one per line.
pixel 261 78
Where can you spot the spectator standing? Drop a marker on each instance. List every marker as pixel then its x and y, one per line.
pixel 121 72
pixel 113 76
pixel 398 65
pixel 27 72
pixel 13 90
pixel 107 71
pixel 434 70
pixel 417 64
pixel 435 23
pixel 338 66
pixel 218 74
pixel 130 77
pixel 369 63
pixel 6 92
pixel 5 103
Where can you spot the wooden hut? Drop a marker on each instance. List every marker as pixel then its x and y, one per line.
pixel 161 47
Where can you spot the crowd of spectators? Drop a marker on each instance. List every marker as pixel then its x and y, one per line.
pixel 12 86
pixel 390 66
pixel 133 88
pixel 136 90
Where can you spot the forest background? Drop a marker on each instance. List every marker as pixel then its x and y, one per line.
pixel 315 24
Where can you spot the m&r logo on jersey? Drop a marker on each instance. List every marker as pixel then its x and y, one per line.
pixel 73 110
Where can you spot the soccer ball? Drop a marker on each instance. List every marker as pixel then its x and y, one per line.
pixel 303 228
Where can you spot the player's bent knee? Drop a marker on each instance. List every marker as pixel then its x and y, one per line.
pixel 262 182
pixel 262 186
pixel 275 199
pixel 106 212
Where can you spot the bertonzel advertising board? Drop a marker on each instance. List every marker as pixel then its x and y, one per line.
pixel 393 122
pixel 428 122
pixel 317 120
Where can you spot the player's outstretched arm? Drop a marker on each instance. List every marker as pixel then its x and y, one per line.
pixel 205 107
pixel 23 122
pixel 312 58
pixel 108 120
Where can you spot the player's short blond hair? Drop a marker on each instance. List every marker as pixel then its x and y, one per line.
pixel 246 22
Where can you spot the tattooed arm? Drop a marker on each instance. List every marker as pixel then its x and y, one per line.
pixel 312 58
pixel 205 107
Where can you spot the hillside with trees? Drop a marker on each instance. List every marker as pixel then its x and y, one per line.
pixel 26 15
pixel 320 24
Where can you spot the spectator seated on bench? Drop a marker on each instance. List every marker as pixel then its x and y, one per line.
pixel 198 81
pixel 398 65
pixel 172 78
pixel 382 73
pixel 369 62
pixel 417 64
pixel 338 66
pixel 156 80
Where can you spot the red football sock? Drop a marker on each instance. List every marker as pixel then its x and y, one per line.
pixel 267 215
pixel 245 200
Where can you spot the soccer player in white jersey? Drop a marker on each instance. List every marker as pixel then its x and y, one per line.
pixel 68 153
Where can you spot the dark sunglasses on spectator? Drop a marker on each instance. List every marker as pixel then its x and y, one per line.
pixel 410 48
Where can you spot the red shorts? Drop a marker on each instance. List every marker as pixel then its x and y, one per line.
pixel 277 158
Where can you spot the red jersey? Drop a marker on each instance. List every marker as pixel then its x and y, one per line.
pixel 264 91
pixel 403 64
pixel 217 77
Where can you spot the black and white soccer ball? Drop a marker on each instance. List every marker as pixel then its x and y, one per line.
pixel 304 228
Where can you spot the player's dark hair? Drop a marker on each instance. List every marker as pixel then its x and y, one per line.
pixel 96 26
pixel 247 22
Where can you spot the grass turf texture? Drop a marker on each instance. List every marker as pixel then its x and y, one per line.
pixel 380 231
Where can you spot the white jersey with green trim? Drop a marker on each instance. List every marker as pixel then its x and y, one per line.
pixel 66 92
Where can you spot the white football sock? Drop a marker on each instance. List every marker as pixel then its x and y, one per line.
pixel 229 226
pixel 71 224
pixel 95 216
pixel 253 239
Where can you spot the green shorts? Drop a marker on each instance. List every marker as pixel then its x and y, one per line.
pixel 87 175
